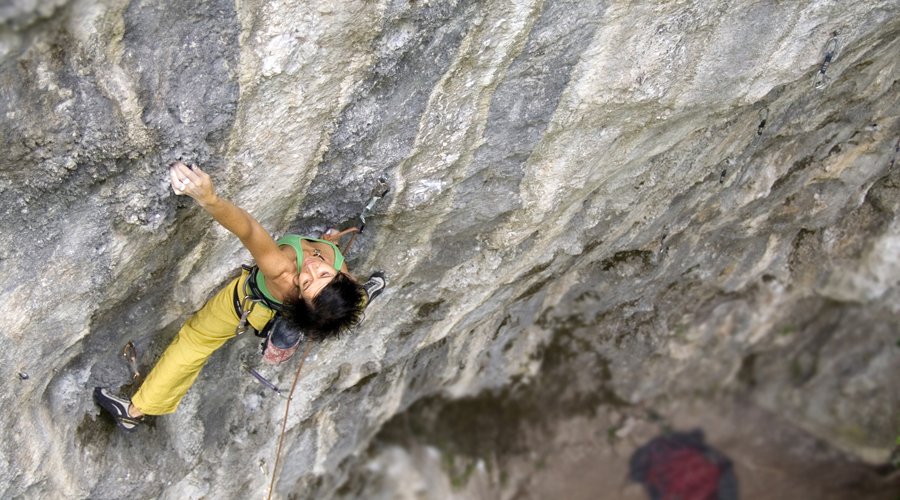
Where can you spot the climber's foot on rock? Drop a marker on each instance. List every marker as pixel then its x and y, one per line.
pixel 118 407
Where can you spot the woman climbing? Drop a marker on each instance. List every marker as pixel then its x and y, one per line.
pixel 304 281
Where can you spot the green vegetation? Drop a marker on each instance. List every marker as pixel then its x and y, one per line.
pixel 459 473
pixel 787 330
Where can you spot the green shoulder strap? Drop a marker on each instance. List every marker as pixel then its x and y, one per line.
pixel 294 241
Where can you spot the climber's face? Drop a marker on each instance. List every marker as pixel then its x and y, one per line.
pixel 315 274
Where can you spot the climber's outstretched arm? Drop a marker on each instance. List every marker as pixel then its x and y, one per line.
pixel 194 182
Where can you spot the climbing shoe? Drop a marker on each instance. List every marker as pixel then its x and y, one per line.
pixel 117 407
pixel 374 286
pixel 281 343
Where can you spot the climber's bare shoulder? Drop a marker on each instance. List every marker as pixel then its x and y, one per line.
pixel 280 270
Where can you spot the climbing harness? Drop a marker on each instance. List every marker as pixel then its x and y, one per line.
pixel 820 79
pixel 246 307
pixel 252 296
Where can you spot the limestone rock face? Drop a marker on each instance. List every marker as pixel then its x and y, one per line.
pixel 610 203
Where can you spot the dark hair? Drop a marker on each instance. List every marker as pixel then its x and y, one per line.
pixel 338 307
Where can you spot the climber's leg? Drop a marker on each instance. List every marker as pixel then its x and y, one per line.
pixel 177 369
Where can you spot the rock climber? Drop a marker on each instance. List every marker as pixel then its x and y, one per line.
pixel 302 282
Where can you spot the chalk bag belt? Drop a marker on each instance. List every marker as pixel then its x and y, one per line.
pixel 243 308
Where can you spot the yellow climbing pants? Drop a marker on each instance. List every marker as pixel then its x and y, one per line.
pixel 207 330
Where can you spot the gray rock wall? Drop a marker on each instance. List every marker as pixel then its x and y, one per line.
pixel 584 194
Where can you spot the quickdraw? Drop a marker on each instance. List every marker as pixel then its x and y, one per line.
pixel 821 79
pixel 763 117
pixel 129 352
pixel 379 191
pixel 264 381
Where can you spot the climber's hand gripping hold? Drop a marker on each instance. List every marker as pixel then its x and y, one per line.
pixel 192 181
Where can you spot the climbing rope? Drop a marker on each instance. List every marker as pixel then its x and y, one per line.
pixel 287 407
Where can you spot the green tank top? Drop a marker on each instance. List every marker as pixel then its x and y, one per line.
pixel 294 240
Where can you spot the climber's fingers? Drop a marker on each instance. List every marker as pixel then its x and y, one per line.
pixel 178 184
pixel 191 180
pixel 193 174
